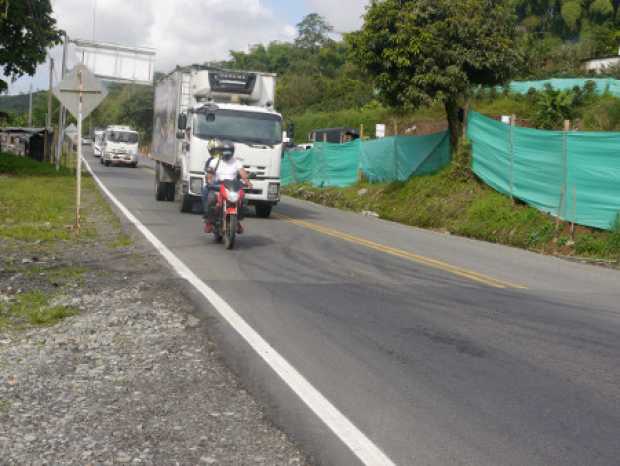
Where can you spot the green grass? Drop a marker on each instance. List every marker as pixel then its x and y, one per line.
pixel 22 166
pixel 32 309
pixel 465 207
pixel 58 275
pixel 38 204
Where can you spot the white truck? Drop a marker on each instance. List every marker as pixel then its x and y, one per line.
pixel 120 146
pixel 197 104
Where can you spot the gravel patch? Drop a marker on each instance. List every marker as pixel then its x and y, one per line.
pixel 129 380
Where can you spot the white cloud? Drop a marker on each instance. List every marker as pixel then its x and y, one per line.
pixel 345 15
pixel 182 31
pixel 209 29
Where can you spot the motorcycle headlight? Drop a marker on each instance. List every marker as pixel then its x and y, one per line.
pixel 232 196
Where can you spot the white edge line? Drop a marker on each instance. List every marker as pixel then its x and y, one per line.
pixel 367 452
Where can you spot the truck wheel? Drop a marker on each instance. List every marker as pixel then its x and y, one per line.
pixel 161 190
pixel 187 203
pixel 170 187
pixel 263 210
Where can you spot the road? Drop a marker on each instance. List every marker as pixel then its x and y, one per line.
pixel 442 350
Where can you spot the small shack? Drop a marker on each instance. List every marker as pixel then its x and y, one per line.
pixel 27 142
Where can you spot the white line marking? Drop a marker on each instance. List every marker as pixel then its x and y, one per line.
pixel 368 453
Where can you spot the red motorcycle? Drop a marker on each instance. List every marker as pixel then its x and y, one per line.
pixel 229 205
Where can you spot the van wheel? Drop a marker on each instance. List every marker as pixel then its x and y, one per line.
pixel 263 210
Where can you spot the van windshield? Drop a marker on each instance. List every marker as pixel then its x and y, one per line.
pixel 122 136
pixel 238 126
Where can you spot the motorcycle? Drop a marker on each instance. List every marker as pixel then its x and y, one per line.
pixel 229 204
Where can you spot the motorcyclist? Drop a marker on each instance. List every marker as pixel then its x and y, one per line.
pixel 221 166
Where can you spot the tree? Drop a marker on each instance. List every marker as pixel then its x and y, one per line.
pixel 313 32
pixel 425 51
pixel 27 29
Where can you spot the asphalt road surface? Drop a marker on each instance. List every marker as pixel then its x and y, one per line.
pixel 442 350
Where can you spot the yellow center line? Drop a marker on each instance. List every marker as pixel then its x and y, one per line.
pixel 437 264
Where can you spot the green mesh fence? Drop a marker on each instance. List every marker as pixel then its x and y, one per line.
pixel 602 85
pixel 388 159
pixel 572 175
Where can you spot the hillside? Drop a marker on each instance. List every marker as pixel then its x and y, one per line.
pixel 17 103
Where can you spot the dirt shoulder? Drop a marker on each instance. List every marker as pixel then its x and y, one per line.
pixel 102 360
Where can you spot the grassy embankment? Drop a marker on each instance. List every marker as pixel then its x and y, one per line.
pixel 464 206
pixel 461 205
pixel 36 221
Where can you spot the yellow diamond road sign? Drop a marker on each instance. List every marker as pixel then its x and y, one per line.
pixel 92 91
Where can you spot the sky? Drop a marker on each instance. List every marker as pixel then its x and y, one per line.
pixel 189 31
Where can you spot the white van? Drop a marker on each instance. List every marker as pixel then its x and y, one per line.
pixel 98 143
pixel 120 146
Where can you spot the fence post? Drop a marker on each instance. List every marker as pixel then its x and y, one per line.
pixel 572 224
pixel 563 190
pixel 512 150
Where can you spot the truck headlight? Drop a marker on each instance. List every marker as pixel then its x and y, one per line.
pixel 195 185
pixel 273 191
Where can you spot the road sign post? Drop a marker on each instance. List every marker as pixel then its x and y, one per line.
pixel 78 190
pixel 80 92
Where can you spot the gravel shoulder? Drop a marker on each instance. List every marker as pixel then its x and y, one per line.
pixel 129 376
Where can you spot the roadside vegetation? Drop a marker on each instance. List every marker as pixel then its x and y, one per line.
pixel 39 248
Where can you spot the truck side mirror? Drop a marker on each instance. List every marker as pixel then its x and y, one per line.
pixel 182 123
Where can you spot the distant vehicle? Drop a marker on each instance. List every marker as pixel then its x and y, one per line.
pixel 98 143
pixel 196 104
pixel 334 135
pixel 120 146
pixel 86 142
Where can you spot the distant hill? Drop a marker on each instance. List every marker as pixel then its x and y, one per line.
pixel 18 103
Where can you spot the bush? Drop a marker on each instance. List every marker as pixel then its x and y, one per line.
pixel 602 115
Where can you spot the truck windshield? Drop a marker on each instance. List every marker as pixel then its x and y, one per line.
pixel 122 136
pixel 251 128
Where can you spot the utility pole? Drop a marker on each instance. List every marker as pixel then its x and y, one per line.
pixel 48 120
pixel 30 107
pixel 61 112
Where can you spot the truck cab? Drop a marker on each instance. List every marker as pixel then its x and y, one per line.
pixel 120 146
pixel 257 135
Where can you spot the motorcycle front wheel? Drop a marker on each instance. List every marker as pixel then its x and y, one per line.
pixel 230 231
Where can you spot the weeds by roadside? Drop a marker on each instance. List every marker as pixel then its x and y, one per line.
pixel 32 308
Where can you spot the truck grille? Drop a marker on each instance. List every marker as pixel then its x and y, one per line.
pixel 258 170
